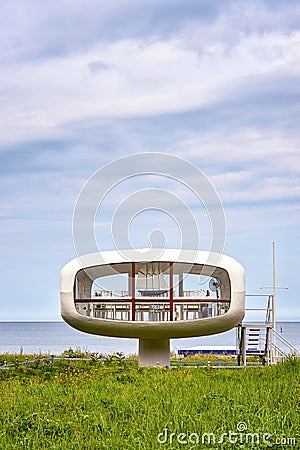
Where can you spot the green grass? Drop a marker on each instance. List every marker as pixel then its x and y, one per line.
pixel 116 405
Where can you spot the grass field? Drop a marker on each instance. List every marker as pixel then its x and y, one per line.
pixel 116 405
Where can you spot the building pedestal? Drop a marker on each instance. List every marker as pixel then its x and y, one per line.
pixel 154 352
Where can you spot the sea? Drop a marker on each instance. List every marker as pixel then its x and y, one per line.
pixel 53 338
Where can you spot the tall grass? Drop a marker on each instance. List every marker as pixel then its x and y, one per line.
pixel 120 406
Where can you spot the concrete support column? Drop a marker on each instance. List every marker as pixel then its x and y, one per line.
pixel 154 352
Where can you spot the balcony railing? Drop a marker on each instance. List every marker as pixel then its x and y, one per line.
pixel 155 309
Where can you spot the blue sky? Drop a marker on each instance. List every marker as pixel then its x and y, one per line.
pixel 84 83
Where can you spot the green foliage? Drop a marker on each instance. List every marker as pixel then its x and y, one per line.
pixel 117 405
pixel 71 353
pixel 115 358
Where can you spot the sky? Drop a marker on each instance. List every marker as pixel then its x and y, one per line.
pixel 85 83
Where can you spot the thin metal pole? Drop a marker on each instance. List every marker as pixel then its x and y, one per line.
pixel 273 316
pixel 274 299
pixel 274 287
pixel 244 346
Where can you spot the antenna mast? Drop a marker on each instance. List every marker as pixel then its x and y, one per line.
pixel 273 287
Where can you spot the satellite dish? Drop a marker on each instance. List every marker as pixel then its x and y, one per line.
pixel 214 285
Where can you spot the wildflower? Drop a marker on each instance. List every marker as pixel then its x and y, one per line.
pixel 28 368
pixel 71 367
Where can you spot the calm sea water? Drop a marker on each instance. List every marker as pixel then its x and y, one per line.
pixel 55 337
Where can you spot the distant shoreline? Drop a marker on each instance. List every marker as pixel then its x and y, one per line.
pixel 54 337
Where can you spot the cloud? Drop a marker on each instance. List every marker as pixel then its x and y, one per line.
pixel 34 30
pixel 141 76
pixel 247 166
pixel 80 85
pixel 98 66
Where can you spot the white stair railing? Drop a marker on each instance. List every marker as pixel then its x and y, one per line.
pixel 278 352
pixel 262 338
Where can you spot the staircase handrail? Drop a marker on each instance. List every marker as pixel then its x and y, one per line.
pixel 284 341
pixel 269 310
pixel 279 350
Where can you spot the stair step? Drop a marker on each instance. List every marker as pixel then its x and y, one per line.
pixel 257 326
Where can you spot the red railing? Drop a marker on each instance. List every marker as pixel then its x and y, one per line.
pixel 150 300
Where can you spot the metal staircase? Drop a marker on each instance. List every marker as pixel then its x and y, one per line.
pixel 260 339
pixel 257 339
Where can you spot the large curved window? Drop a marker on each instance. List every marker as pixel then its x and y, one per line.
pixel 152 291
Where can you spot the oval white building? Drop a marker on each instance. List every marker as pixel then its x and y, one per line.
pixel 153 295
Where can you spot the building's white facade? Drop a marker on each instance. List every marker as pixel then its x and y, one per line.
pixel 158 303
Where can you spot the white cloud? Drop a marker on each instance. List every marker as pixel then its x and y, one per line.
pixel 267 149
pixel 248 166
pixel 140 78
pixel 214 82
